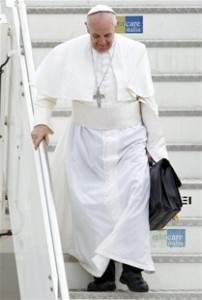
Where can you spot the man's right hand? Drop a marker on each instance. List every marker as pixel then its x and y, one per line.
pixel 39 133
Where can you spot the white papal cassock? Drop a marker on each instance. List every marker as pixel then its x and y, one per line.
pixel 100 167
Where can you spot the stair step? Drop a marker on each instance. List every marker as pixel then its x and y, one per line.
pixel 162 60
pixel 175 244
pixel 178 244
pixel 178 94
pixel 184 148
pixel 174 259
pixel 177 148
pixel 179 127
pixel 171 60
pixel 175 277
pixel 163 258
pixel 162 113
pixel 180 113
pixel 149 43
pixel 186 159
pixel 127 3
pixel 49 23
pixel 132 9
pixel 152 295
pixel 191 184
pixel 168 61
pixel 177 77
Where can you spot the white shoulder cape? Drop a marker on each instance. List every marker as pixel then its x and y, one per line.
pixel 67 71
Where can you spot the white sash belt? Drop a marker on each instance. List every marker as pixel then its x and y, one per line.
pixel 125 114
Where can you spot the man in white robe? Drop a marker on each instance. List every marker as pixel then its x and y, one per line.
pixel 102 195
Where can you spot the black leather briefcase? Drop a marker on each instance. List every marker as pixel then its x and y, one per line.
pixel 165 200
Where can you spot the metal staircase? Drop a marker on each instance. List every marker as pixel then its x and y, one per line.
pixel 26 198
pixel 172 32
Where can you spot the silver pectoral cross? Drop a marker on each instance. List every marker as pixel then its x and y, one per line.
pixel 98 96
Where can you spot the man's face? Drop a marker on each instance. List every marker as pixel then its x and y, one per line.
pixel 101 27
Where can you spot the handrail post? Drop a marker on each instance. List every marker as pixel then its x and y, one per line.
pixel 40 156
pixel 44 162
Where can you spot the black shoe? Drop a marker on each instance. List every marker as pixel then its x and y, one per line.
pixel 105 283
pixel 134 281
pixel 107 286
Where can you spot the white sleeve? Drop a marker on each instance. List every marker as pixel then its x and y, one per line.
pixel 156 145
pixel 43 107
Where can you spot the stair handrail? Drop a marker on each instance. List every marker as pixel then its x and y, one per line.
pixel 40 156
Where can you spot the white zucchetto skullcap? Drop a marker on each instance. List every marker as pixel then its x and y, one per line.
pixel 100 8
